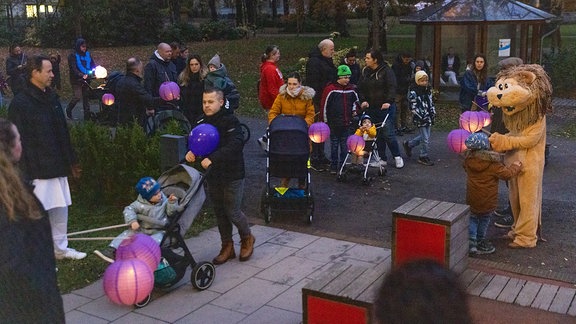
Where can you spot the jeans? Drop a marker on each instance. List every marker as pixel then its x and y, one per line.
pixel 338 138
pixel 478 226
pixel 80 92
pixel 422 138
pixel 387 135
pixel 226 198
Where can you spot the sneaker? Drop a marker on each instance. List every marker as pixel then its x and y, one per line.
pixel 472 247
pixel 70 254
pixel 485 247
pixel 425 161
pixel 503 212
pixel 399 162
pixel 504 222
pixel 263 142
pixel 407 149
pixel 108 254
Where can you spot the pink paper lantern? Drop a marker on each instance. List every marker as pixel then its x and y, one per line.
pixel 140 246
pixel 355 144
pixel 319 132
pixel 169 91
pixel 108 99
pixel 127 282
pixel 456 140
pixel 471 121
pixel 486 117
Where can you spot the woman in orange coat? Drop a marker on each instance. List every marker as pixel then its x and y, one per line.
pixel 294 99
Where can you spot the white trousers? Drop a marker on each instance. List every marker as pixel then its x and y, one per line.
pixel 59 223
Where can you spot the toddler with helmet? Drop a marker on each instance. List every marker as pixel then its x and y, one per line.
pixel 484 168
pixel 147 214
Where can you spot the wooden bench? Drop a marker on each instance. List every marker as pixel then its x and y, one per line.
pixel 424 228
pixel 343 293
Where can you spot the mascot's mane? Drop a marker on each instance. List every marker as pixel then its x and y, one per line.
pixel 540 90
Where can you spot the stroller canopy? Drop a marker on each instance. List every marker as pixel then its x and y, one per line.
pixel 288 136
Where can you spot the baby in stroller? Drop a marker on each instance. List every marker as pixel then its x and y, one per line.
pixel 368 131
pixel 148 214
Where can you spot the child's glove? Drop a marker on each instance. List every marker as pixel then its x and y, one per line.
pixel 190 157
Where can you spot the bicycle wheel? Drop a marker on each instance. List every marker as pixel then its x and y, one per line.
pixel 245 132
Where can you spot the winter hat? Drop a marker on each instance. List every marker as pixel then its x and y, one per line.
pixel 420 74
pixel 362 118
pixel 477 141
pixel 344 70
pixel 147 187
pixel 215 60
pixel 420 64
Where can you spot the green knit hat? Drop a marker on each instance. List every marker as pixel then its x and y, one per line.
pixel 344 70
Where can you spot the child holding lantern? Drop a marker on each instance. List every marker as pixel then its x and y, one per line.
pixel 368 132
pixel 484 168
pixel 339 101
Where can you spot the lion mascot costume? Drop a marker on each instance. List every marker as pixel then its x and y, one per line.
pixel 524 93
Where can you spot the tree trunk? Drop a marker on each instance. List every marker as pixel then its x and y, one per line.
pixel 377 26
pixel 175 7
pixel 274 8
pixel 340 18
pixel 250 12
pixel 239 13
pixel 213 12
pixel 286 7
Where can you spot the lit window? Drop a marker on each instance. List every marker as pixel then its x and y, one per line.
pixel 32 10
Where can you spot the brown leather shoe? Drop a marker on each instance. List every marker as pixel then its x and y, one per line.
pixel 226 253
pixel 247 247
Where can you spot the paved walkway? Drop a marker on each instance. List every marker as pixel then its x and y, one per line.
pixel 267 289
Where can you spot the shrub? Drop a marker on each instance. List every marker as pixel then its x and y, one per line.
pixel 557 65
pixel 182 33
pixel 221 29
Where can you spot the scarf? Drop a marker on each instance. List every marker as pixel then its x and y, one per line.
pixel 84 62
pixel 294 93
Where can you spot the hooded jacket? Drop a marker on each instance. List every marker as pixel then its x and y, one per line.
pixel 156 72
pixel 220 80
pixel 301 105
pixel 421 105
pixel 377 87
pixel 80 63
pixel 484 169
pixel 271 80
pixel 338 104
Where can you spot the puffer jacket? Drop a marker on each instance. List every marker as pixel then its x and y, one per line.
pixel 484 169
pixel 270 82
pixel 377 87
pixel 421 105
pixel 300 105
pixel 219 79
pixel 151 216
pixel 338 104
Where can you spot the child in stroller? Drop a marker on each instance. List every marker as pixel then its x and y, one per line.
pixel 148 213
pixel 367 130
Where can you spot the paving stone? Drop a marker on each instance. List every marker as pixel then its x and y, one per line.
pixel 269 314
pixel 231 274
pixel 528 293
pixel 210 314
pixel 495 287
pixel 479 283
pixel 562 300
pixel 177 304
pixel 293 239
pixel 545 296
pixel 250 295
pixel 325 249
pixel 132 318
pixel 511 290
pixel 367 253
pixel 572 309
pixel 268 254
pixel 468 276
pixel 76 317
pixel 72 301
pixel 290 270
pixel 94 290
pixel 291 299
pixel 105 309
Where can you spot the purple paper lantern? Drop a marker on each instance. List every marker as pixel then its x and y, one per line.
pixel 127 282
pixel 108 99
pixel 169 91
pixel 142 247
pixel 319 132
pixel 203 140
pixel 486 117
pixel 471 121
pixel 355 144
pixel 456 140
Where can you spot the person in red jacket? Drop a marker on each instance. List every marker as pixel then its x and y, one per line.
pixel 269 84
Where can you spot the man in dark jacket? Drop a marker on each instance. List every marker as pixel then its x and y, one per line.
pixel 48 157
pixel 159 70
pixel 320 71
pixel 403 69
pixel 132 99
pixel 81 67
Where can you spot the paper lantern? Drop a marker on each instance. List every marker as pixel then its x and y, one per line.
pixel 100 72
pixel 203 139
pixel 456 140
pixel 108 99
pixel 169 91
pixel 486 117
pixel 142 247
pixel 127 282
pixel 471 121
pixel 355 144
pixel 319 132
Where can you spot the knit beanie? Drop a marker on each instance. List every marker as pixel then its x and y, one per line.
pixel 215 60
pixel 147 187
pixel 344 70
pixel 420 74
pixel 477 141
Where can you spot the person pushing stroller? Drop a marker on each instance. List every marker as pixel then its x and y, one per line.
pixel 148 214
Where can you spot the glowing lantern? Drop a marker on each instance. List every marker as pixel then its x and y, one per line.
pixel 169 91
pixel 486 117
pixel 456 140
pixel 355 144
pixel 108 99
pixel 100 72
pixel 319 132
pixel 127 282
pixel 142 247
pixel 471 121
pixel 203 139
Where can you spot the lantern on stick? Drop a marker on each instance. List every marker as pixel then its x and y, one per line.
pixel 203 139
pixel 471 121
pixel 108 99
pixel 456 140
pixel 486 117
pixel 142 247
pixel 127 282
pixel 169 91
pixel 100 72
pixel 355 144
pixel 319 132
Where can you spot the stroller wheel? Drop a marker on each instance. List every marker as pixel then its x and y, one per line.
pixel 202 275
pixel 144 302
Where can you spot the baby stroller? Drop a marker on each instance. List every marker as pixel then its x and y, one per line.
pixel 370 154
pixel 287 157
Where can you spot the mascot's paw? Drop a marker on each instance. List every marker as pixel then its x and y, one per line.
pixel 514 245
pixel 497 142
